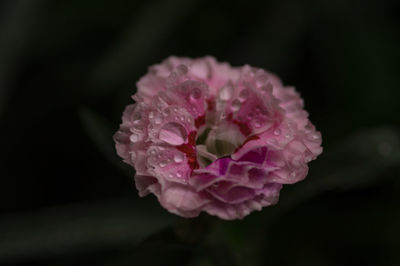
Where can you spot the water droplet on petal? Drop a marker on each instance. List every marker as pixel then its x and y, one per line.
pixel 157 118
pixel 267 88
pixel 314 136
pixel 296 161
pixel 163 163
pixel 243 95
pixel 137 128
pixel 293 174
pixel 151 115
pixel 178 174
pixel 171 79
pixel 226 92
pixel 178 157
pixel 173 133
pixel 133 156
pixel 308 159
pixel 195 94
pixel 235 105
pixel 277 132
pixel 134 138
pixel 136 116
pixel 273 142
pixel 261 79
pixel 182 69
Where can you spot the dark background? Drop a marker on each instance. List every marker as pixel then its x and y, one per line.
pixel 68 68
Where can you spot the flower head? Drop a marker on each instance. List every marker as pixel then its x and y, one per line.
pixel 205 136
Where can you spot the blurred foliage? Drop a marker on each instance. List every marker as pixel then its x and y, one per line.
pixel 68 68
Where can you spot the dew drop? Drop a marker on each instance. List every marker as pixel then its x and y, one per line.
pixel 272 142
pixel 173 133
pixel 257 124
pixel 163 163
pixel 133 156
pixel 293 174
pixel 134 138
pixel 150 160
pixel 314 136
pixel 178 174
pixel 138 128
pixel 261 79
pixel 277 132
pixel 226 92
pixel 243 95
pixel 308 159
pixel 222 116
pixel 195 94
pixel 267 88
pixel 151 115
pixel 171 79
pixel 182 69
pixel 215 185
pixel 296 161
pixel 178 157
pixel 136 116
pixel 157 118
pixel 235 105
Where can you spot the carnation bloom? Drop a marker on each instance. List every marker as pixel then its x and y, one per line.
pixel 205 136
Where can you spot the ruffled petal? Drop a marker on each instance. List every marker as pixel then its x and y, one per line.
pixel 206 136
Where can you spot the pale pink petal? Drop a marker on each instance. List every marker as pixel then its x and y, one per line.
pixel 206 136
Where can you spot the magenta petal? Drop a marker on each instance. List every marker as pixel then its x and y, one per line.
pixel 202 181
pixel 257 156
pixel 223 164
pixel 257 178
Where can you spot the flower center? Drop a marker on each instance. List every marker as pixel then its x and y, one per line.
pixel 217 141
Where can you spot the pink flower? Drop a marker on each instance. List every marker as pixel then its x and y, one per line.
pixel 205 136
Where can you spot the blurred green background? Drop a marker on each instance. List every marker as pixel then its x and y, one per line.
pixel 68 68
